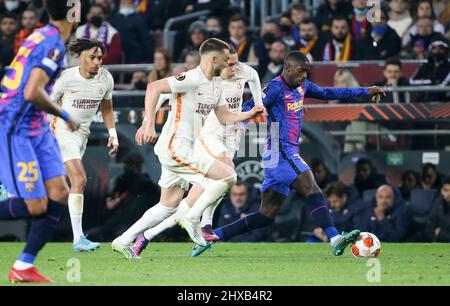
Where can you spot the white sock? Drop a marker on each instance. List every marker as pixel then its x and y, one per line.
pixel 76 215
pixel 332 240
pixel 213 192
pixel 168 223
pixel 208 214
pixel 151 217
pixel 20 265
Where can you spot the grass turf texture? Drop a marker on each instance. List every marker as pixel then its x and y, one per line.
pixel 240 264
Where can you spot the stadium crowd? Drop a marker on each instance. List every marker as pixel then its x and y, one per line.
pixel 417 210
pixel 338 30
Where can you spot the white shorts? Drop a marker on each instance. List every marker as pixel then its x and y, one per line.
pixel 216 144
pixel 71 144
pixel 185 166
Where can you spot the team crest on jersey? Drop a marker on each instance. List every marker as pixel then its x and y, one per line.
pixel 180 77
pixel 100 91
pixel 29 187
pixel 55 55
pixel 239 85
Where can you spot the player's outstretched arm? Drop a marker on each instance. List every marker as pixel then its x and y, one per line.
pixel 35 93
pixel 154 90
pixel 328 93
pixel 227 117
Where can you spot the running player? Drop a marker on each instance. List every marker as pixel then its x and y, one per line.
pixel 32 170
pixel 80 91
pixel 283 167
pixel 194 95
pixel 221 141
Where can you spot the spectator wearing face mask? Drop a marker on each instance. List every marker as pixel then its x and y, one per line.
pixel 311 44
pixel 14 7
pixel 214 27
pixel 286 27
pixel 436 71
pixel 98 28
pixel 392 77
pixel 136 41
pixel 277 53
pixel 269 33
pixel 329 10
pixel 341 47
pixel 29 22
pixel 139 80
pixel 360 26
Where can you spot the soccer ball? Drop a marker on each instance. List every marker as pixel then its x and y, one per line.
pixel 366 246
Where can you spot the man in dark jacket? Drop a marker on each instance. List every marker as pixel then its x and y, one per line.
pixel 136 41
pixel 330 9
pixel 438 227
pixel 382 42
pixel 389 218
pixel 367 176
pixel 321 173
pixel 392 77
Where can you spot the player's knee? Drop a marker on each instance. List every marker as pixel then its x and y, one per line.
pixel 59 194
pixel 230 180
pixel 37 208
pixel 79 183
pixel 270 211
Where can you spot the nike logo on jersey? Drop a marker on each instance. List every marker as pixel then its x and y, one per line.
pixel 200 93
pixel 74 91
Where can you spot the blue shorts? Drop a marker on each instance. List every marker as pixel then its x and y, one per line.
pixel 280 171
pixel 27 162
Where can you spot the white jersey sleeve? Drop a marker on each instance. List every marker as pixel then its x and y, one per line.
pixel 184 82
pixel 58 90
pixel 255 85
pixel 162 98
pixel 110 86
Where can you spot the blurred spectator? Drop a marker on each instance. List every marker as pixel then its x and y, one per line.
pixel 436 71
pixel 359 23
pixel 345 206
pixel 343 78
pixel 214 27
pixel 8 29
pixel 392 77
pixel 238 206
pixel 439 224
pixel 29 23
pixel 286 27
pixel 388 216
pixel 410 181
pixel 423 8
pixel 270 32
pixel 382 42
pixel 341 47
pixel 239 39
pixel 108 6
pixel 277 53
pixel 98 28
pixel 329 10
pixel 419 43
pixel 431 179
pixel 132 195
pixel 218 7
pixel 157 12
pixel 136 41
pixel 191 61
pixel 14 7
pixel 321 173
pixel 139 80
pixel 310 42
pixel 163 63
pixel 367 176
pixel 399 16
pixel 298 13
pixel 198 33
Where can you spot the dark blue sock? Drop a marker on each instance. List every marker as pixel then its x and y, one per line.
pixel 42 228
pixel 14 208
pixel 244 225
pixel 320 213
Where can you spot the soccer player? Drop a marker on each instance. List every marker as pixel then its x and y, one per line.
pixel 80 91
pixel 283 166
pixel 221 141
pixel 31 167
pixel 194 95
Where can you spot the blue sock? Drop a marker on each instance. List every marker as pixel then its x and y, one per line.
pixel 28 258
pixel 42 228
pixel 321 214
pixel 14 208
pixel 244 225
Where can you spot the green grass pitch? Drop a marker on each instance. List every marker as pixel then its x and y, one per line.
pixel 240 264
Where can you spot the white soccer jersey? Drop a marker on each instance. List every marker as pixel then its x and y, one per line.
pixel 233 89
pixel 193 98
pixel 81 97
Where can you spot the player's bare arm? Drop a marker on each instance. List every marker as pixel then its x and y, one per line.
pixel 106 107
pixel 226 117
pixel 36 93
pixel 154 89
pixel 376 92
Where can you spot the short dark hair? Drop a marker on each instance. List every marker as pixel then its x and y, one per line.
pixel 83 44
pixel 134 158
pixel 57 9
pixel 428 166
pixel 99 6
pixel 213 44
pixel 410 172
pixel 297 7
pixel 29 10
pixel 446 181
pixel 340 17
pixel 296 57
pixel 8 15
pixel 364 161
pixel 316 162
pixel 237 17
pixel 242 183
pixel 393 61
pixel 308 20
pixel 338 189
